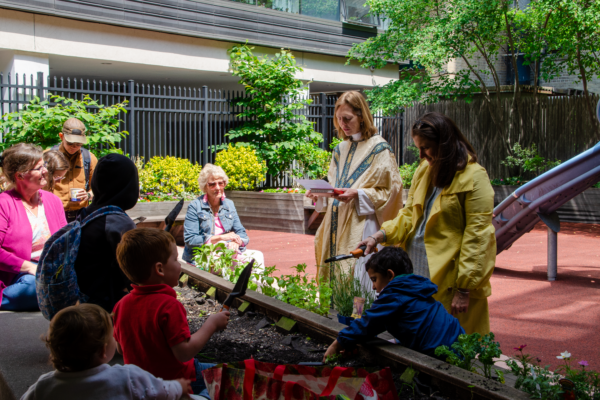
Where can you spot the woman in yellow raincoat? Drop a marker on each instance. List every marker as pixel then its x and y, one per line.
pixel 446 224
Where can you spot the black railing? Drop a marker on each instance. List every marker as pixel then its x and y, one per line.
pixel 175 121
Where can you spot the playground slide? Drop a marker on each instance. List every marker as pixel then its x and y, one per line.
pixel 540 198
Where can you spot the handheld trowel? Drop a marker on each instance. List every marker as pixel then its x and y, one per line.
pixel 240 287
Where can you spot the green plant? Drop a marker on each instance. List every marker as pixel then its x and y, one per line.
pixel 242 166
pixel 334 143
pixel 528 160
pixel 539 382
pixel 312 162
pixel 284 190
pixel 487 350
pixel 333 360
pixel 515 181
pixel 216 259
pixel 586 383
pixel 407 171
pixel 462 352
pixel 273 127
pixel 40 122
pixel 304 292
pixel 345 287
pixel 169 175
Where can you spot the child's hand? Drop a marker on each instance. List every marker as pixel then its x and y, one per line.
pixel 220 320
pixel 335 348
pixel 186 387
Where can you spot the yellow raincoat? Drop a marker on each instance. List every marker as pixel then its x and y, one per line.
pixel 460 239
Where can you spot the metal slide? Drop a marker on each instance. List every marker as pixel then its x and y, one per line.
pixel 540 198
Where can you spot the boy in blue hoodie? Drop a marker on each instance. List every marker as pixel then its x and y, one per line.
pixel 405 308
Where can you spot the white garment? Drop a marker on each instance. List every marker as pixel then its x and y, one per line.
pixel 119 382
pixel 364 206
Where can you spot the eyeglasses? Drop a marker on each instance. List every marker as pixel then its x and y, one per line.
pixel 214 184
pixel 59 178
pixel 74 144
pixel 39 169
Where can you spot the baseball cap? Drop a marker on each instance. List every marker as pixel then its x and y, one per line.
pixel 74 131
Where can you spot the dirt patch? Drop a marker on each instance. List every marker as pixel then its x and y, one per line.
pixel 254 335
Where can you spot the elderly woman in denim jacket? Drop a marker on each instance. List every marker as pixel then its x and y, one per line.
pixel 212 218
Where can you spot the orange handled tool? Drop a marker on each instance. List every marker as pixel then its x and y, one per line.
pixel 353 254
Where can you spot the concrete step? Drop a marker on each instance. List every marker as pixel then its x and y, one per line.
pixel 23 355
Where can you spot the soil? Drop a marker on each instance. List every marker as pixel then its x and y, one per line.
pixel 253 335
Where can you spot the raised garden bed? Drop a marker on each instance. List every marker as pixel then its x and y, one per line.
pixel 448 380
pixel 280 212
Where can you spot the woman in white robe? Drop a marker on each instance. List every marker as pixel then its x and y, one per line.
pixel 363 166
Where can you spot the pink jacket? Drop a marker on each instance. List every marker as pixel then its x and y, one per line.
pixel 16 234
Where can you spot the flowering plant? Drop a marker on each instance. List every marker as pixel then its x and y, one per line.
pixel 168 176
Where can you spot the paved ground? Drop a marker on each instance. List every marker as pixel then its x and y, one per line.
pixel 549 317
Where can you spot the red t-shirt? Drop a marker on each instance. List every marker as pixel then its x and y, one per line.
pixel 147 323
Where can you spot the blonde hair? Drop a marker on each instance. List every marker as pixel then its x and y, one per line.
pixel 360 108
pixel 208 171
pixel 18 158
pixel 56 162
pixel 76 335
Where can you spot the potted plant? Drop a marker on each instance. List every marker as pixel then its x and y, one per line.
pixel 345 287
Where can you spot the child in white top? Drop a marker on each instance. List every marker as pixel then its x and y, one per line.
pixel 81 344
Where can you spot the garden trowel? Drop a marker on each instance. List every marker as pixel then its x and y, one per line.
pixel 240 287
pixel 353 254
pixel 170 220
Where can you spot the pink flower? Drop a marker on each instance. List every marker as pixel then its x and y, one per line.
pixel 583 363
pixel 501 180
pixel 520 348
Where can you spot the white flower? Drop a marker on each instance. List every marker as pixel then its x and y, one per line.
pixel 564 356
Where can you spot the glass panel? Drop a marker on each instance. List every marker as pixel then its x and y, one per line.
pixel 291 6
pixel 357 10
pixel 252 2
pixel 327 9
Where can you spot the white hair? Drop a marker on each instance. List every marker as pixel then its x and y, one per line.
pixel 211 171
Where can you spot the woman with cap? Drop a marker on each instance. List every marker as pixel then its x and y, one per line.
pixel 115 183
pixel 446 224
pixel 28 217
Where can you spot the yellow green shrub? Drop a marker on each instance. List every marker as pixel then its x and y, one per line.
pixel 169 175
pixel 244 169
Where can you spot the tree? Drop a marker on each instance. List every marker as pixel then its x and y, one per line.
pixel 432 34
pixel 40 122
pixel 275 129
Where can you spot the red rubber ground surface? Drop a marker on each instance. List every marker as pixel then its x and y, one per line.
pixel 549 317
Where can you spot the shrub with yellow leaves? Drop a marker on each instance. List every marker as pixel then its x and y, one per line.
pixel 169 176
pixel 242 166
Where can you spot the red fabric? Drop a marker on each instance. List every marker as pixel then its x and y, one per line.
pixel 148 322
pixel 249 378
pixel 333 378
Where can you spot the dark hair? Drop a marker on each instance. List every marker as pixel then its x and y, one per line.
pixel 453 149
pixel 76 335
pixel 393 258
pixel 140 249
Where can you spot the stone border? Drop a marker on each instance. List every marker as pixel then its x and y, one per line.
pixel 467 384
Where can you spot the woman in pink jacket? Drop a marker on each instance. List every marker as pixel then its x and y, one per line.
pixel 28 217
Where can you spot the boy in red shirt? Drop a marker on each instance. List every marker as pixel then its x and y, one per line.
pixel 150 324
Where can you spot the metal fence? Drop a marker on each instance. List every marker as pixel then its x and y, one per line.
pixel 176 121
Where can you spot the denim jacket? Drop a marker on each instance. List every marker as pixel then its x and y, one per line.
pixel 199 225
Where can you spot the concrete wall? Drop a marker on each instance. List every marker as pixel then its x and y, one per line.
pixel 80 43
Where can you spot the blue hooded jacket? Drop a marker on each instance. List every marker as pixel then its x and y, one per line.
pixel 407 310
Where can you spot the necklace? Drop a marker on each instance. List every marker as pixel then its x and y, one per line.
pixel 26 204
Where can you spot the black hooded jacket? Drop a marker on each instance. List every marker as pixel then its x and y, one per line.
pixel 115 183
